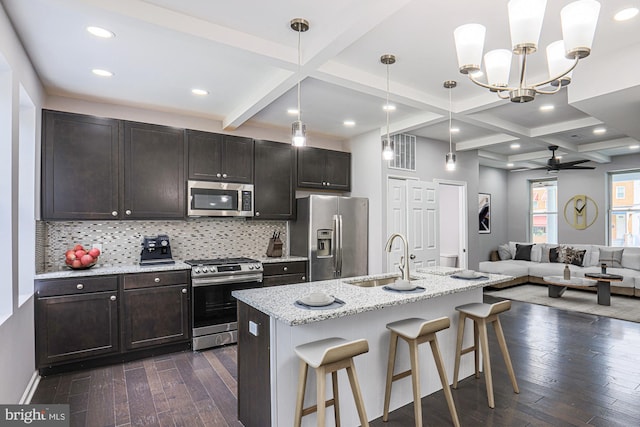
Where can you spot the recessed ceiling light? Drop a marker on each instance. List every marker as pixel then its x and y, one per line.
pixel 349 123
pixel 599 131
pixel 626 14
pixel 292 111
pixel 515 145
pixel 454 130
pixel 547 107
pixel 389 107
pixel 509 165
pixel 200 92
pixel 634 147
pixel 101 32
pixel 101 73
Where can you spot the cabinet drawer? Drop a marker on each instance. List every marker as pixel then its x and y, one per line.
pixel 272 269
pixel 79 285
pixel 147 280
pixel 284 279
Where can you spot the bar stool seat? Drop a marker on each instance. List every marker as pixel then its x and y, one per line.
pixel 481 314
pixel 328 356
pixel 416 331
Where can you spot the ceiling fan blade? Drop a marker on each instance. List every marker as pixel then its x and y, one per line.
pixel 573 163
pixel 576 167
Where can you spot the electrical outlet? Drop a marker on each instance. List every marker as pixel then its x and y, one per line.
pixel 253 328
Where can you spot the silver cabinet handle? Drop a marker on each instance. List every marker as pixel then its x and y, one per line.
pixel 184 290
pixel 127 212
pixel 79 286
pixel 224 175
pixel 112 297
pixel 304 278
pixel 157 280
pixel 114 213
pixel 285 268
pixel 328 183
pixel 257 213
pixel 218 175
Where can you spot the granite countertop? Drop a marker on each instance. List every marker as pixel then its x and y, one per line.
pixel 278 301
pixel 103 270
pixel 271 260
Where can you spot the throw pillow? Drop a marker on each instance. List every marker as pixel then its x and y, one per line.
pixel 611 257
pixel 523 252
pixel 504 252
pixel 554 254
pixel 574 256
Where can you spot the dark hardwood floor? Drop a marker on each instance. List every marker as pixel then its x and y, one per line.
pixel 573 369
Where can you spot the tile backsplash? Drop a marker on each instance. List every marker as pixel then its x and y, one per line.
pixel 120 241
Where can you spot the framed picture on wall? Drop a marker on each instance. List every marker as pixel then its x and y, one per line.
pixel 484 213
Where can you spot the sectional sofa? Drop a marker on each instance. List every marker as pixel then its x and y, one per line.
pixel 529 263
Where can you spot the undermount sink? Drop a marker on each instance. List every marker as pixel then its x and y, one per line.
pixel 370 283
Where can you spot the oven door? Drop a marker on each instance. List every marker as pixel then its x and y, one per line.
pixel 214 308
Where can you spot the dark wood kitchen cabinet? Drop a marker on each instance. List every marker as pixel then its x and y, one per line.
pixel 154 164
pixel 217 157
pixel 275 180
pixel 284 273
pixel 324 169
pixel 80 166
pixel 76 319
pixel 155 309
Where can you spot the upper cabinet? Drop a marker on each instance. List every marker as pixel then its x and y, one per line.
pixel 96 168
pixel 154 183
pixel 80 166
pixel 275 180
pixel 325 169
pixel 216 157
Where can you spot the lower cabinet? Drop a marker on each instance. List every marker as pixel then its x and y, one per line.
pixel 284 273
pixel 107 318
pixel 155 309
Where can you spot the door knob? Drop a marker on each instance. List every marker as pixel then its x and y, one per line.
pixel 412 256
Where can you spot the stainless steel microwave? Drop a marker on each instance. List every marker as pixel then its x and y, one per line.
pixel 219 199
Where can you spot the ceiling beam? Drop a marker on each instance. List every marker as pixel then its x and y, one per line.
pixel 564 126
pixel 486 141
pixel 414 122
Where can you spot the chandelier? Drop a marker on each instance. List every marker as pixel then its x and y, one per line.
pixel 387 143
pixel 579 21
pixel 299 129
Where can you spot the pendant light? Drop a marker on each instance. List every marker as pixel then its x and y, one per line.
pixel 450 158
pixel 387 144
pixel 299 129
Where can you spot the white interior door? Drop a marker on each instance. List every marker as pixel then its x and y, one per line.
pixel 396 219
pixel 422 224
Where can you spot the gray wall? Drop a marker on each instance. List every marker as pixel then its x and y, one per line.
pixel 494 182
pixel 593 183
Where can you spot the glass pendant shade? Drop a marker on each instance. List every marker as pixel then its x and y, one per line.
pixel 557 62
pixel 298 133
pixel 497 64
pixel 450 164
pixel 579 21
pixel 469 41
pixel 387 148
pixel 525 22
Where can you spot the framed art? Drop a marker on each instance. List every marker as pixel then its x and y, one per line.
pixel 484 213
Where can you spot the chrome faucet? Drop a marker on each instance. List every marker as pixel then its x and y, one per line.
pixel 404 260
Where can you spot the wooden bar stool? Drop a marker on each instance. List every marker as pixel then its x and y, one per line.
pixel 416 331
pixel 328 356
pixel 481 314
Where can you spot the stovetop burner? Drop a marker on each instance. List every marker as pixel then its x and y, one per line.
pixel 221 261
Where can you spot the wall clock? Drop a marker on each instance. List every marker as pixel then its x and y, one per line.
pixel 580 211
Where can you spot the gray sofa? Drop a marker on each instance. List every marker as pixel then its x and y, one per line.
pixel 539 264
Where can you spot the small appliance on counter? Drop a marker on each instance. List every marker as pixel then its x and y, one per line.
pixel 156 250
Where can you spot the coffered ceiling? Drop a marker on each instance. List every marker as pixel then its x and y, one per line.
pixel 245 55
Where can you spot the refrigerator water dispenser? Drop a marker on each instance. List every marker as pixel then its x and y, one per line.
pixel 324 242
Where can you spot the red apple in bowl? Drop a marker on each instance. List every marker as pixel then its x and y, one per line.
pixel 81 258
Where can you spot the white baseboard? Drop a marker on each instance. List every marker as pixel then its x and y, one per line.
pixel 31 389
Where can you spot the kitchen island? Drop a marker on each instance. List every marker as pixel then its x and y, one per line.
pixel 270 326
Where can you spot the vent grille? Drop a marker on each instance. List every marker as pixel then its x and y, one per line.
pixel 405 152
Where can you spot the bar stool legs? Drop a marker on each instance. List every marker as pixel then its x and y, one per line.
pixel 415 332
pixel 481 314
pixel 328 356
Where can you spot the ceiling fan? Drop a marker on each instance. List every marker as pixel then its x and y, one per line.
pixel 553 164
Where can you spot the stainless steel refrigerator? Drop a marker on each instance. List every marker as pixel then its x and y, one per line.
pixel 332 232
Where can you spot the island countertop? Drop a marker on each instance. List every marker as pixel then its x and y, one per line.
pixel 278 301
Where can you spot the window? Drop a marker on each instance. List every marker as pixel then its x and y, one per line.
pixel 624 208
pixel 6 261
pixel 404 149
pixel 543 211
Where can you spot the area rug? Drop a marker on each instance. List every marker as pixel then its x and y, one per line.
pixel 622 307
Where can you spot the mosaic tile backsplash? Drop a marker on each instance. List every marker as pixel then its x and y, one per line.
pixel 120 241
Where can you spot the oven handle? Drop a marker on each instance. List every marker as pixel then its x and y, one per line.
pixel 226 280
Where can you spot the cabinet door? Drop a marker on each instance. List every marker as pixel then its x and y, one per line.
pixel 311 165
pixel 154 181
pixel 204 155
pixel 155 316
pixel 80 164
pixel 338 170
pixel 274 181
pixel 237 159
pixel 75 327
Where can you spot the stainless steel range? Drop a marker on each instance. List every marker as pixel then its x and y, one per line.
pixel 214 309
